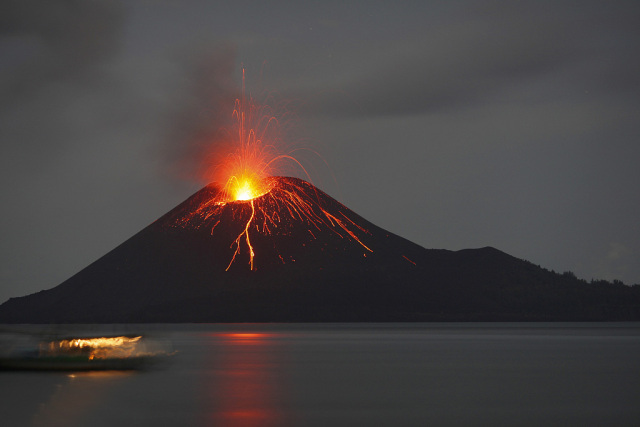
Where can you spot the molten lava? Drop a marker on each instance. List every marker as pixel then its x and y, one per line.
pixel 253 196
pixel 244 187
pixel 288 206
pixel 246 190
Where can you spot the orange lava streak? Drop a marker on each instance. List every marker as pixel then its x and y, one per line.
pixel 351 233
pixel 246 234
pixel 411 261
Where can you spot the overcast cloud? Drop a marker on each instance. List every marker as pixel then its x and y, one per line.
pixel 453 124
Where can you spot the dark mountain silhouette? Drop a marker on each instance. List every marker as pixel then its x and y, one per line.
pixel 315 260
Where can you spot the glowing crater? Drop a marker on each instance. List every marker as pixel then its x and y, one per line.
pixel 246 187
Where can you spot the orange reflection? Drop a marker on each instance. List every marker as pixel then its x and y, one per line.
pixel 79 396
pixel 245 389
pixel 259 337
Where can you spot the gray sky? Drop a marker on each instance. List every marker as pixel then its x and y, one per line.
pixel 453 124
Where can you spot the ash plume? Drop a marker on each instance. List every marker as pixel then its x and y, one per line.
pixel 202 113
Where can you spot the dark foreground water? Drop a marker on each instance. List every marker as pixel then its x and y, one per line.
pixel 583 374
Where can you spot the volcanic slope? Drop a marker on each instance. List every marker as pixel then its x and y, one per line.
pixel 295 254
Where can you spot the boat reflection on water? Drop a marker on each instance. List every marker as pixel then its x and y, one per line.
pixel 244 386
pixel 76 396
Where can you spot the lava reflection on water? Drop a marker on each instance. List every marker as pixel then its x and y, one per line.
pixel 244 388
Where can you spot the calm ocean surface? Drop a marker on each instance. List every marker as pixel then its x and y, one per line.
pixel 467 374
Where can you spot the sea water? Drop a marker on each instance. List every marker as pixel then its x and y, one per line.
pixel 413 374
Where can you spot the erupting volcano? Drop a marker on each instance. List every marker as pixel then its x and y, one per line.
pixel 249 232
pixel 254 246
pixel 252 200
pixel 291 254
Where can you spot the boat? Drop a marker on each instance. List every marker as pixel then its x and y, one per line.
pixel 84 353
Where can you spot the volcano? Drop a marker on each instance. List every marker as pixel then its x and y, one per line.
pixel 294 254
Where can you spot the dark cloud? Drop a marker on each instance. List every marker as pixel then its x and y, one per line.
pixel 52 54
pixel 49 41
pixel 482 54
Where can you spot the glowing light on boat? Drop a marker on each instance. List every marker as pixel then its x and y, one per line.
pixel 95 348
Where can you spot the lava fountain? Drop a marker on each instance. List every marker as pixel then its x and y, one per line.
pixel 255 196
